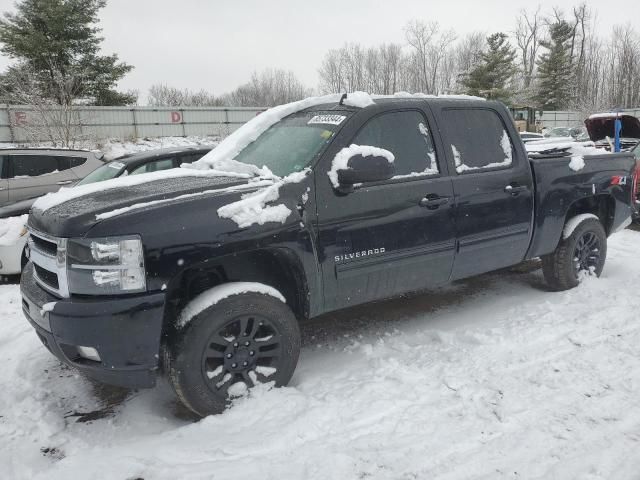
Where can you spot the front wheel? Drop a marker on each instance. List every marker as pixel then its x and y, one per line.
pixel 582 253
pixel 231 346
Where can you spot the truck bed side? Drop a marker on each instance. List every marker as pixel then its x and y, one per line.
pixel 602 187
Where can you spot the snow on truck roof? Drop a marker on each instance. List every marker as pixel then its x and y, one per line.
pixel 219 161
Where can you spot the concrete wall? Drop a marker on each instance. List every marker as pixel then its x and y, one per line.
pixel 571 119
pixel 126 122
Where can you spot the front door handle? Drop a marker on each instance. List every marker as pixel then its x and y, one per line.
pixel 515 189
pixel 64 182
pixel 433 201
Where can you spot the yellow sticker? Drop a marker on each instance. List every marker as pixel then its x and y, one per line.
pixel 326 134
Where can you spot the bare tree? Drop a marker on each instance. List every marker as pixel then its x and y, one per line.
pixel 528 34
pixel 161 95
pixel 268 88
pixel 46 118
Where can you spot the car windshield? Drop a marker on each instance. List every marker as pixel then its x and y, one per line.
pixel 105 172
pixel 293 143
pixel 559 132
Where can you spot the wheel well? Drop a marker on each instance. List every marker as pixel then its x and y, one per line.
pixel 278 268
pixel 602 206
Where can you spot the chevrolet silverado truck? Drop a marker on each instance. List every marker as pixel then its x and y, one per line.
pixel 202 274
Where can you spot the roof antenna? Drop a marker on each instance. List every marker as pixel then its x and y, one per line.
pixel 343 98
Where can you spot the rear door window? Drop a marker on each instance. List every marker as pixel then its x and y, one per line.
pixel 24 166
pixel 405 134
pixel 479 140
pixel 65 163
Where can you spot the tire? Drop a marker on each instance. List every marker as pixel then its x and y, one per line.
pixel 209 362
pixel 583 252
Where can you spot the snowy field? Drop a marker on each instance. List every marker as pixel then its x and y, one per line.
pixel 493 377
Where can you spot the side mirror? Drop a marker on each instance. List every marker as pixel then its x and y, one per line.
pixel 363 168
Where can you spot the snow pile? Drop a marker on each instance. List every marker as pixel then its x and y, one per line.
pixel 137 206
pixel 573 223
pixel 219 293
pixel 50 200
pixel 495 378
pixel 424 95
pixel 577 163
pixel 505 144
pixel 359 100
pixel 252 207
pixel 11 229
pixel 606 115
pixel 577 150
pixel 341 160
pixel 113 148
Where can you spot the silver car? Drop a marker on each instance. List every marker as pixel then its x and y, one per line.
pixel 30 173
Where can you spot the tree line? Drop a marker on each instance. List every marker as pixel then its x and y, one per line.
pixel 553 60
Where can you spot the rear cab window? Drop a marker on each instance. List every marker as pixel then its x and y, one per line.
pixel 405 134
pixel 479 140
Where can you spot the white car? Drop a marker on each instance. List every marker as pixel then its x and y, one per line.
pixel 13 238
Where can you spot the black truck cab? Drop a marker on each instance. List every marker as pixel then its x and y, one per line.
pixel 204 274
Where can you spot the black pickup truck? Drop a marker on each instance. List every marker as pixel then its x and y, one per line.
pixel 205 276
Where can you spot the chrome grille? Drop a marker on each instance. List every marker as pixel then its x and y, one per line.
pixel 49 257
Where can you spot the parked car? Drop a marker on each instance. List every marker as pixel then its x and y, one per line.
pixel 30 173
pixel 530 136
pixel 601 128
pixel 11 253
pixel 204 276
pixel 146 162
pixel 13 238
pixel 558 132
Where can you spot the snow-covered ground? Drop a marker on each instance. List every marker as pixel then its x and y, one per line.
pixel 491 378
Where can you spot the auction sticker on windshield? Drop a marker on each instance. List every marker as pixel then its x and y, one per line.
pixel 117 165
pixel 327 119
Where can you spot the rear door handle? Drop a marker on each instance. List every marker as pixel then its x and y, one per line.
pixel 433 201
pixel 64 182
pixel 515 189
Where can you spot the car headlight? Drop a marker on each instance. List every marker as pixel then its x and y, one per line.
pixel 106 266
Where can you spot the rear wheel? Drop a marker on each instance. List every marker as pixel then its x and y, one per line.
pixel 230 347
pixel 583 253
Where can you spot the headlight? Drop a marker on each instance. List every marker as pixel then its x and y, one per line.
pixel 106 266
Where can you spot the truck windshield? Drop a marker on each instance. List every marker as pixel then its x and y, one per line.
pixel 293 143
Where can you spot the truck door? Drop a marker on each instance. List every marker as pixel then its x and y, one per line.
pixel 493 190
pixel 391 237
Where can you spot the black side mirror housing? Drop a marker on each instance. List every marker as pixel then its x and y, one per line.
pixel 371 168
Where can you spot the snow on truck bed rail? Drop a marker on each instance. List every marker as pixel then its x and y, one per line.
pixel 577 150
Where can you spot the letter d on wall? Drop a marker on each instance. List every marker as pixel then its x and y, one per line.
pixel 176 117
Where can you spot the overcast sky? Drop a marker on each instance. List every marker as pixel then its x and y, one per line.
pixel 217 44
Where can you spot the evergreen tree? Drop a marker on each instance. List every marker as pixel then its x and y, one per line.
pixel 59 41
pixel 490 78
pixel 555 69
